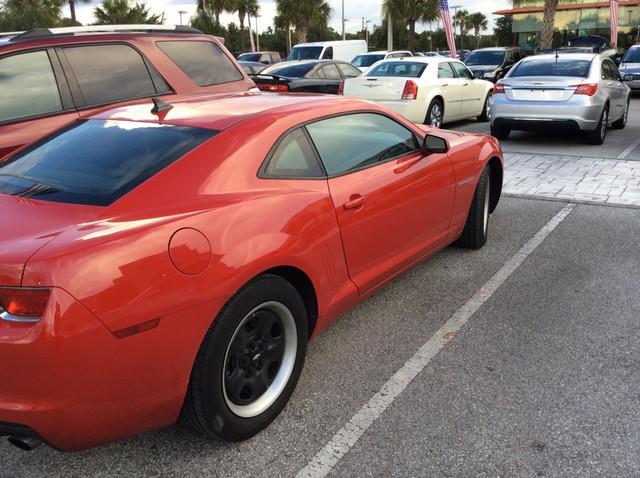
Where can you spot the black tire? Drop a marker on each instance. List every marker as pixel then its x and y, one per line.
pixel 207 407
pixel 622 122
pixel 486 110
pixel 476 230
pixel 598 135
pixel 434 106
pixel 500 132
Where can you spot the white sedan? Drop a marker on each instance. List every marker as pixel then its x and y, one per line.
pixel 427 90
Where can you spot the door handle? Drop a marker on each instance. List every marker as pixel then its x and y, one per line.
pixel 465 84
pixel 356 201
pixel 445 84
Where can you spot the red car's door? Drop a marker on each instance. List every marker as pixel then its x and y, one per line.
pixel 393 202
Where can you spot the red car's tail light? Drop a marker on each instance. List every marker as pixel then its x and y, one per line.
pixel 273 87
pixel 341 88
pixel 588 89
pixel 410 91
pixel 498 88
pixel 24 302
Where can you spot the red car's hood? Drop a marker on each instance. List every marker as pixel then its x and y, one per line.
pixel 27 225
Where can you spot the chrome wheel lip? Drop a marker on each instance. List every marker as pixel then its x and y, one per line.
pixel 281 379
pixel 603 127
pixel 488 105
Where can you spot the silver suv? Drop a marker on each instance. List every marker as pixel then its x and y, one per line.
pixel 570 91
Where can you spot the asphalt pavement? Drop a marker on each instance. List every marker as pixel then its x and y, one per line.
pixel 541 380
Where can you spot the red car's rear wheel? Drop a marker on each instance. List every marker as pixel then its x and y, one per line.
pixel 249 362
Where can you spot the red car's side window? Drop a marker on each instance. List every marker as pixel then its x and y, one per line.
pixel 293 157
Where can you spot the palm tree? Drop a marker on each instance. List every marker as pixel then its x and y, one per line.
pixel 244 8
pixel 118 12
pixel 461 19
pixel 72 7
pixel 303 14
pixel 219 6
pixel 479 23
pixel 411 12
pixel 550 7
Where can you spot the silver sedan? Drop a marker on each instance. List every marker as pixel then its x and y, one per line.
pixel 563 91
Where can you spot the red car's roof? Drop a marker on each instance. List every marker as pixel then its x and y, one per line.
pixel 216 112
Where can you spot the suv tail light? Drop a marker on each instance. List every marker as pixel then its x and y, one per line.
pixel 410 91
pixel 588 89
pixel 22 304
pixel 341 88
pixel 274 87
pixel 498 88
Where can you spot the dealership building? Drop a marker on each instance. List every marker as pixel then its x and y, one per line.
pixel 573 18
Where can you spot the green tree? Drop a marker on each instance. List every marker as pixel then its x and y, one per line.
pixel 303 14
pixel 27 14
pixel 217 7
pixel 461 21
pixel 411 12
pixel 550 7
pixel 503 30
pixel 113 12
pixel 478 22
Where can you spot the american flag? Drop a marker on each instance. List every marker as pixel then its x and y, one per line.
pixel 613 4
pixel 448 29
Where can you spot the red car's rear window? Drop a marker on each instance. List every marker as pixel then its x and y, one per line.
pixel 96 162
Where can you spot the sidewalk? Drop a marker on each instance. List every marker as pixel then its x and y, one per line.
pixel 590 180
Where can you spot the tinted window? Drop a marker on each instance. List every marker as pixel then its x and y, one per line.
pixel 461 70
pixel 328 53
pixel 356 141
pixel 348 71
pixel 398 68
pixel 294 158
pixel 110 73
pixel 27 86
pixel 204 62
pixel 551 67
pixel 290 70
pixel 366 60
pixel 249 57
pixel 95 162
pixel 305 53
pixel 631 56
pixel 445 71
pixel 331 72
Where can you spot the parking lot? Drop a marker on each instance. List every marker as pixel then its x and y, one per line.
pixel 542 380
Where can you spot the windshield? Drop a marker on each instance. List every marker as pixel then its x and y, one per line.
pixel 305 53
pixel 485 58
pixel 553 67
pixel 398 68
pixel 250 57
pixel 631 56
pixel 366 60
pixel 95 162
pixel 291 70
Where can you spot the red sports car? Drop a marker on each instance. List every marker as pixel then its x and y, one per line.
pixel 175 262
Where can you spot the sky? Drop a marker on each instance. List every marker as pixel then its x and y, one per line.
pixel 354 11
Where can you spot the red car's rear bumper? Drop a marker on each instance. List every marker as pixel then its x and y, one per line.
pixel 74 384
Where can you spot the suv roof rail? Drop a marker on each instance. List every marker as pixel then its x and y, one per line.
pixel 49 32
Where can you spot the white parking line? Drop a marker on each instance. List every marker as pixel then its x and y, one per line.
pixel 327 458
pixel 629 150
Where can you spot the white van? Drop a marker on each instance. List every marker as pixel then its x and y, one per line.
pixel 345 50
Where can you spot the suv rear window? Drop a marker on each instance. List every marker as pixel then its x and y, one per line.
pixel 202 61
pixel 553 67
pixel 95 162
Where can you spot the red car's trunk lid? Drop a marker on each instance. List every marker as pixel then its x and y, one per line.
pixel 27 225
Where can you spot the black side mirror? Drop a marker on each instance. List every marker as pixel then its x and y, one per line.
pixel 627 77
pixel 435 144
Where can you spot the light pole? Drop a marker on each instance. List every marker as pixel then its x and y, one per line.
pixel 257 34
pixel 181 12
pixel 366 32
pixel 454 54
pixel 389 32
pixel 344 35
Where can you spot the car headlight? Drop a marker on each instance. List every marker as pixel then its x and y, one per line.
pixel 489 74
